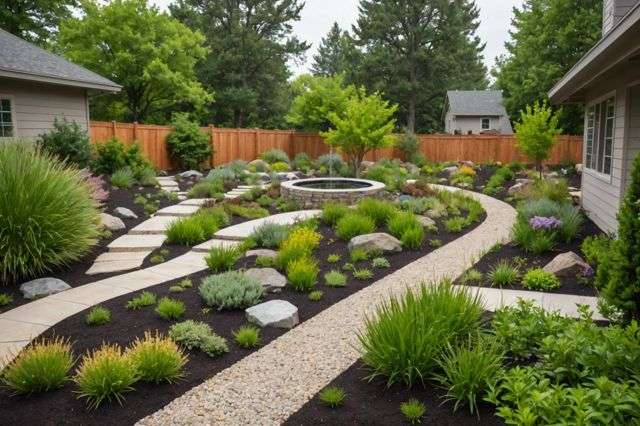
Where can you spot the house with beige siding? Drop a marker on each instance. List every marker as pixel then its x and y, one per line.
pixel 607 82
pixel 475 112
pixel 37 86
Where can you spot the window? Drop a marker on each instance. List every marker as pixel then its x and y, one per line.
pixel 600 122
pixel 6 121
pixel 486 123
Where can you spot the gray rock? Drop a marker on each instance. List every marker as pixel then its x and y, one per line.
pixel 469 163
pixel 442 180
pixel 191 174
pixel 451 170
pixel 274 313
pixel 519 188
pixel 112 223
pixel 376 241
pixel 404 198
pixel 525 181
pixel 125 212
pixel 427 222
pixel 163 173
pixel 43 287
pixel 262 253
pixel 272 280
pixel 566 265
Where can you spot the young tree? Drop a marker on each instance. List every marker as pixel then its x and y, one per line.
pixel 34 20
pixel 537 131
pixel 337 54
pixel 548 38
pixel 188 144
pixel 147 52
pixel 367 124
pixel 251 42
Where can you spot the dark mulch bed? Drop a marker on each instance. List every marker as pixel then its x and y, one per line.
pixel 372 403
pixel 62 407
pixel 570 285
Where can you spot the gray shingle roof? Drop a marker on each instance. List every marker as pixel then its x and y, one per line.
pixel 24 60
pixel 476 102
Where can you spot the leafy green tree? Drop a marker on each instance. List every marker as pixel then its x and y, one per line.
pixel 251 42
pixel 548 38
pixel 317 98
pixel 337 54
pixel 34 20
pixel 187 143
pixel 414 50
pixel 537 132
pixel 150 54
pixel 367 124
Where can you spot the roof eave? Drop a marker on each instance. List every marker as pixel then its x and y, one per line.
pixel 112 88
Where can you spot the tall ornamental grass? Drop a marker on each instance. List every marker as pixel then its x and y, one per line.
pixel 48 216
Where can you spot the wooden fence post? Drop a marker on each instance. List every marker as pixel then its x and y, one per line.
pixel 213 151
pixel 113 129
pixel 135 131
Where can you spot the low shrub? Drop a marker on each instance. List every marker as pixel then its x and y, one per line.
pixel 222 258
pixel 185 231
pixel 380 263
pixel 358 254
pixel 302 273
pixel 539 279
pixel 5 299
pixel 496 182
pixel 332 396
pixel 279 166
pixel 378 210
pixel 207 188
pixel 270 234
pixel 231 290
pixel 402 222
pixel 198 335
pixel 265 201
pixel 334 258
pixel 503 274
pixel 553 189
pixel 412 238
pixel 595 248
pixel 413 410
pixel 454 224
pixel 315 295
pixel 333 211
pixel 300 243
pixel 98 315
pixel 157 358
pixel 146 298
pixel 435 243
pixel 362 274
pixel 265 262
pixel 335 279
pixel 354 224
pixel 471 276
pixel 42 366
pixel 170 309
pixel 112 155
pixel 67 141
pixel 247 336
pixel 275 155
pixel 187 143
pixel 175 289
pixel 330 162
pixel 302 162
pixel 147 177
pixel 246 212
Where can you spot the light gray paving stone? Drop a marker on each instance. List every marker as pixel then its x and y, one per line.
pixel 13 330
pixel 261 253
pixel 117 261
pixel 231 196
pixel 195 201
pixel 137 242
pixel 90 294
pixel 133 281
pixel 9 350
pixel 177 210
pixel 245 229
pixel 46 311
pixel 207 245
pixel 154 225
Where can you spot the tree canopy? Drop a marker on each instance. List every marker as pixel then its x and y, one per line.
pixel 537 131
pixel 147 52
pixel 337 54
pixel 34 20
pixel 548 38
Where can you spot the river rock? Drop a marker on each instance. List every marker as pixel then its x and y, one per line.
pixel 111 223
pixel 566 265
pixel 427 222
pixel 376 241
pixel 274 313
pixel 43 287
pixel 125 212
pixel 272 280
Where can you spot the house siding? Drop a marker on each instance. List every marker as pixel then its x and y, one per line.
pixel 466 124
pixel 36 105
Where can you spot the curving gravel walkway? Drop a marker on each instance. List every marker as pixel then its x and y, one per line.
pixel 266 387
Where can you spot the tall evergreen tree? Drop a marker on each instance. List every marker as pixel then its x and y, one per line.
pixel 417 49
pixel 337 54
pixel 251 42
pixel 34 20
pixel 548 38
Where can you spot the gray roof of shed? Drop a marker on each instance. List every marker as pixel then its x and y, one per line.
pixel 23 60
pixel 475 102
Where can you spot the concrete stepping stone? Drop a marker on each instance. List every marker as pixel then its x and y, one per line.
pixel 117 261
pixel 155 225
pixel 245 229
pixel 137 242
pixel 272 280
pixel 196 201
pixel 177 210
pixel 208 245
pixel 43 287
pixel 261 253
pixel 274 313
pixel 231 196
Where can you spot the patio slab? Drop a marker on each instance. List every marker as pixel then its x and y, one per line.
pixel 46 311
pixel 13 331
pixel 195 201
pixel 177 210
pixel 207 245
pixel 155 225
pixel 90 294
pixel 137 243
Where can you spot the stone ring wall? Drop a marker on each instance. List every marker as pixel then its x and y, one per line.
pixel 315 197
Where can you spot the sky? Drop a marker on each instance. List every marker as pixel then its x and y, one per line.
pixel 319 15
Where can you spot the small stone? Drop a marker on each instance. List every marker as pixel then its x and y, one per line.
pixel 43 287
pixel 519 188
pixel 427 222
pixel 162 173
pixel 112 223
pixel 451 170
pixel 468 163
pixel 376 241
pixel 567 264
pixel 261 253
pixel 274 313
pixel 125 212
pixel 272 280
pixel 191 174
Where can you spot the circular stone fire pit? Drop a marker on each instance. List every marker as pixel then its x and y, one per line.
pixel 313 193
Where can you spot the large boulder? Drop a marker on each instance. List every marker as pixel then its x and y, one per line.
pixel 274 313
pixel 272 280
pixel 112 223
pixel 125 212
pixel 43 287
pixel 376 241
pixel 567 264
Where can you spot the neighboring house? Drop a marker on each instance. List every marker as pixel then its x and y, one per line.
pixel 607 81
pixel 474 112
pixel 37 86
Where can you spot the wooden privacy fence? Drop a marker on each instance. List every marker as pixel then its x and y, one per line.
pixel 248 144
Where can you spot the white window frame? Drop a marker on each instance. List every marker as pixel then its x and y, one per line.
pixel 598 137
pixel 482 123
pixel 14 123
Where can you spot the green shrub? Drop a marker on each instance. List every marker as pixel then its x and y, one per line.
pixel 157 358
pixel 246 212
pixel 302 273
pixel 48 216
pixel 315 295
pixel 334 258
pixel 302 162
pixel 222 258
pixel 67 141
pixel 539 279
pixel 198 335
pixel 333 211
pixel 275 156
pixel 497 180
pixel 595 248
pixel 123 178
pixel 175 289
pixel 5 299
pixel 247 336
pixel 553 189
pixel 335 279
pixel 330 162
pixel 471 276
pixel 413 410
pixel 354 224
pixel 412 238
pixel 40 367
pixel 170 309
pixel 358 254
pixel 402 222
pixel 468 370
pixel 378 210
pixel 231 290
pixel 265 201
pixel 454 224
pixel 503 274
pixel 112 155
pixel 300 243
pixel 98 315
pixel 156 258
pixel 147 177
pixel 405 338
pixel 362 274
pixel 207 188
pixel 105 375
pixel 380 263
pixel 348 267
pixel 185 283
pixel 187 143
pixel 279 166
pixel 185 231
pixel 265 262
pixel 531 240
pixel 270 234
pixel 146 298
pixel 332 396
pixel 435 243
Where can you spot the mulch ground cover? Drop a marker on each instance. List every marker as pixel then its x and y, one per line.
pixel 62 406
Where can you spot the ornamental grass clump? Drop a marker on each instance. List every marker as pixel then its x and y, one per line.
pixel 302 274
pixel 146 298
pixel 222 258
pixel 157 358
pixel 354 224
pixel 170 309
pixel 404 340
pixel 378 210
pixel 231 290
pixel 333 211
pixel 98 315
pixel 42 366
pixel 198 335
pixel 123 178
pixel 402 222
pixel 413 410
pixel 332 396
pixel 270 235
pixel 503 274
pixel 335 279
pixel 247 336
pixel 49 218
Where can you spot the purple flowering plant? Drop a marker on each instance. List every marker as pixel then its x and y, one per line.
pixel 542 222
